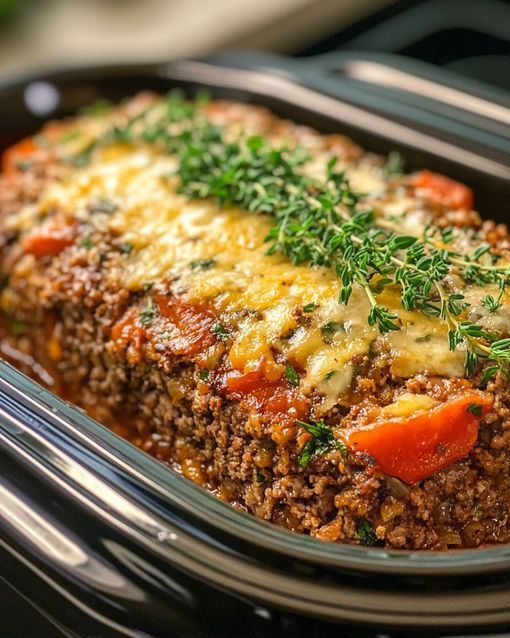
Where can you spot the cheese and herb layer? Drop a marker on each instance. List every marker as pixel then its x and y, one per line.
pixel 218 258
pixel 283 263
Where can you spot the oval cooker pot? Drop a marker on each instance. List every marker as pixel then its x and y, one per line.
pixel 106 541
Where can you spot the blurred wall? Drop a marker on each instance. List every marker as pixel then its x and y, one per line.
pixel 59 33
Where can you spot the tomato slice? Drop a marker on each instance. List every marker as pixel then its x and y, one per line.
pixel 414 448
pixel 194 324
pixel 17 153
pixel 244 382
pixel 49 241
pixel 129 336
pixel 273 399
pixel 442 190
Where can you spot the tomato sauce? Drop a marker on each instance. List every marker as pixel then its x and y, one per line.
pixel 275 401
pixel 442 190
pixel 193 324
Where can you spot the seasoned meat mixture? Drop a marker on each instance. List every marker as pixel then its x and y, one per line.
pixel 291 322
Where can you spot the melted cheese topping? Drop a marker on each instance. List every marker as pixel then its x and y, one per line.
pixel 168 233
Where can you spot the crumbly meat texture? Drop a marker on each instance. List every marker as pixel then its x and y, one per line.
pixel 60 313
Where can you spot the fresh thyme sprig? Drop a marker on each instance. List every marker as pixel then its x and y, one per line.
pixel 324 223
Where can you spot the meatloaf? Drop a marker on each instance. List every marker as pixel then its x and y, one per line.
pixel 291 322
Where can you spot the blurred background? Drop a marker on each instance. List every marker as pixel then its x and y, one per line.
pixel 470 37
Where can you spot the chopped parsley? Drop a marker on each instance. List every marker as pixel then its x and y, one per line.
pixel 148 314
pixel 329 374
pixel 87 243
pixel 323 441
pixel 204 374
pixel 475 409
pixel 218 330
pixel 291 375
pixel 329 329
pixel 202 264
pixel 309 307
pixel 366 534
pixel 126 248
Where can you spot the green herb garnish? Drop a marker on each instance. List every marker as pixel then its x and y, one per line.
pixel 204 374
pixel 478 512
pixel 202 264
pixel 218 330
pixel 97 108
pixel 87 243
pixel 291 375
pixel 323 441
pixel 309 307
pixel 488 374
pixel 475 408
pixel 126 248
pixel 148 314
pixel 366 534
pixel 491 303
pixel 328 331
pixel 69 136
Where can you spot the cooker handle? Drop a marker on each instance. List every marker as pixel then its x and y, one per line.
pixel 402 88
